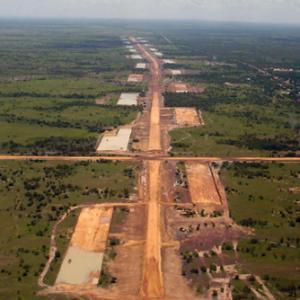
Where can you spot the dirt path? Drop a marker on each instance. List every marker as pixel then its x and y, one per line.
pixel 152 280
pixel 155 130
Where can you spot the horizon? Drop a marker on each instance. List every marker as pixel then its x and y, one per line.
pixel 268 11
pixel 170 20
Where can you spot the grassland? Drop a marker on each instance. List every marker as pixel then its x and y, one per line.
pixel 249 108
pixel 33 196
pixel 49 81
pixel 266 198
pixel 240 130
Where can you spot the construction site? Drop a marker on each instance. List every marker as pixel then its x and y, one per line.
pixel 179 211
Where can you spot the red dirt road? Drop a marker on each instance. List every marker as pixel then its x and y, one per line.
pixel 152 281
pixel 155 130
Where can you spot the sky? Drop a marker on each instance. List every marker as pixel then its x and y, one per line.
pixel 271 11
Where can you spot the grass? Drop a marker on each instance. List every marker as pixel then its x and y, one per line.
pixel 27 122
pixel 239 130
pixel 51 81
pixel 34 195
pixel 260 196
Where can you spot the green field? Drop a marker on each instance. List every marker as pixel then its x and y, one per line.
pixel 49 81
pixel 249 108
pixel 265 197
pixel 56 125
pixel 33 197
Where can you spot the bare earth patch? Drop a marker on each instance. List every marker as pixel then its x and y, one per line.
pixel 187 116
pixel 202 185
pixel 135 78
pixel 83 261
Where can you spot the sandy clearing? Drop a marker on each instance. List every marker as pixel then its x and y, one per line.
pixel 80 267
pixel 158 54
pixel 175 72
pixel 152 279
pixel 141 66
pixel 181 87
pixel 135 78
pixel 128 99
pixel 136 56
pixel 201 184
pixel 187 116
pixel 169 61
pixel 83 261
pixel 115 142
pixel 92 229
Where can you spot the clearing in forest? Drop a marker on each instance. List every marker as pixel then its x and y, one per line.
pixel 83 261
pixel 187 116
pixel 202 186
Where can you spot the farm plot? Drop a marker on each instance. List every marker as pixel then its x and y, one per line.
pixel 115 141
pixel 83 261
pixel 203 188
pixel 187 116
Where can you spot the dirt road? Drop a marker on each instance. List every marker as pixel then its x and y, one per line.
pixel 152 281
pixel 155 131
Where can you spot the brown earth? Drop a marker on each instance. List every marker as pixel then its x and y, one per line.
pixel 148 263
pixel 202 185
pixel 152 280
pixel 135 78
pixel 92 229
pixel 187 116
pixel 181 87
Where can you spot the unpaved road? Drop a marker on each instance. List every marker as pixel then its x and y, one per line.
pixel 152 281
pixel 154 132
pixel 152 284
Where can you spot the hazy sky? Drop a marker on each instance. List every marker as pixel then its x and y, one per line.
pixel 232 10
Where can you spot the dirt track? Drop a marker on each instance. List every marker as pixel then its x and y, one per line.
pixel 155 132
pixel 152 285
pixel 152 282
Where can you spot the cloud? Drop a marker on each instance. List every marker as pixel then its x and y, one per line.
pixel 235 10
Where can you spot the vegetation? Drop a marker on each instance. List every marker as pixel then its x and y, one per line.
pixel 248 107
pixel 49 81
pixel 265 197
pixel 34 195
